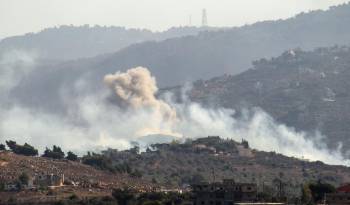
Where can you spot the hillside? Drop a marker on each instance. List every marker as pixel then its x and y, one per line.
pixel 173 165
pixel 207 159
pixel 13 165
pixel 305 90
pixel 71 42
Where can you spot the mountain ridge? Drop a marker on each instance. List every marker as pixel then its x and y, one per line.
pixel 69 42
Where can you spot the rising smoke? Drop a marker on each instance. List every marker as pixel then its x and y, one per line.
pixel 94 122
pixel 136 89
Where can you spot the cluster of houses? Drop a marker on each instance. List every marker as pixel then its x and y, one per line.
pixel 227 192
pixel 340 197
pixel 39 180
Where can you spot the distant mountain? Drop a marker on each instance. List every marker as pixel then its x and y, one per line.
pixel 306 90
pixel 203 56
pixel 71 42
pixel 231 51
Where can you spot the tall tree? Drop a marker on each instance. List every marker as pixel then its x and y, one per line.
pixel 71 156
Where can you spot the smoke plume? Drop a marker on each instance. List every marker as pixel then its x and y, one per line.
pixel 94 121
pixel 136 89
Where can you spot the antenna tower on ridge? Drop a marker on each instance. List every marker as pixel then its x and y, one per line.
pixel 204 18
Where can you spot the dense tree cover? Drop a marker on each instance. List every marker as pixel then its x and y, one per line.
pixel 71 156
pixel 123 168
pixel 98 161
pixel 103 162
pixel 319 189
pixel 131 197
pixel 55 153
pixel 25 149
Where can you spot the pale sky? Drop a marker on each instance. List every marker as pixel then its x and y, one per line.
pixel 22 16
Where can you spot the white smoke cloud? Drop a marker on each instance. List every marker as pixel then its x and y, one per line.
pixel 14 65
pixel 94 122
pixel 136 88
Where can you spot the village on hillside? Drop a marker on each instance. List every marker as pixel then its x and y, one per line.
pixel 26 177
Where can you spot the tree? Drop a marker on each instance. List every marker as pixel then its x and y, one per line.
pixel 98 161
pixel 123 196
pixel 136 173
pixel 71 156
pixel 11 144
pixel 245 143
pixel 152 203
pixel 314 192
pixel 28 150
pixel 319 189
pixel 135 150
pixel 306 196
pixel 25 149
pixel 55 153
pixel 58 150
pixel 2 185
pixel 196 178
pixel 2 147
pixel 23 178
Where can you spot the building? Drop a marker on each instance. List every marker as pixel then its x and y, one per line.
pixel 227 192
pixel 37 181
pixel 47 180
pixel 11 186
pixel 341 197
pixel 15 185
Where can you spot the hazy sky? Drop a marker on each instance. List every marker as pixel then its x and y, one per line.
pixel 21 16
